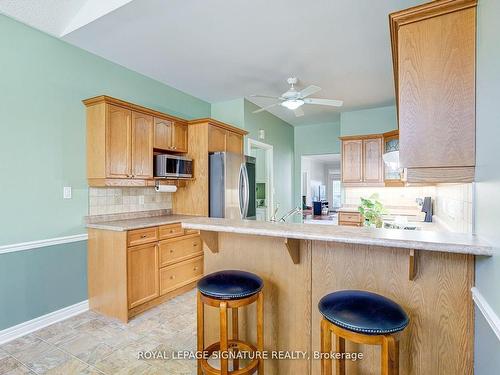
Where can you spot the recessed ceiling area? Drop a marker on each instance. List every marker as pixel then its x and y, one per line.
pixel 221 50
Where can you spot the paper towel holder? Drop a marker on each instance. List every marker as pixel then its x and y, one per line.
pixel 165 188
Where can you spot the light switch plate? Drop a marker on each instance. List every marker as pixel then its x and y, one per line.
pixel 67 192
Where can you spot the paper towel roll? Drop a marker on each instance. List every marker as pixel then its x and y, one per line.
pixel 166 188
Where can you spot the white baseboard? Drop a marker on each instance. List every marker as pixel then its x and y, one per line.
pixel 488 313
pixel 22 329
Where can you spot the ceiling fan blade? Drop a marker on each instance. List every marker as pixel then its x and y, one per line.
pixel 264 96
pixel 309 91
pixel 330 102
pixel 298 112
pixel 266 108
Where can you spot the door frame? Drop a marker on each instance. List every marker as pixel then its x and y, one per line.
pixel 253 143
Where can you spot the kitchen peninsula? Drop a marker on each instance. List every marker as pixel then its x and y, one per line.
pixel 430 274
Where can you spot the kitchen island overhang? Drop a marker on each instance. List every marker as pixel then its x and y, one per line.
pixel 429 274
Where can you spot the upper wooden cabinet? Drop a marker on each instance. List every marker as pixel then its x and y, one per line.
pixel 170 135
pixel 205 136
pixel 434 67
pixel 121 137
pixel 362 163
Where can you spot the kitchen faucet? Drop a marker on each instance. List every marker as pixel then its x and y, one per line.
pixel 288 214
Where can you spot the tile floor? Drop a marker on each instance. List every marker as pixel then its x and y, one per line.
pixel 93 344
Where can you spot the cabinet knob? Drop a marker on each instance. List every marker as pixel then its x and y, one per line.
pixel 195 244
pixel 171 231
pixel 196 268
pixel 143 236
pixel 171 251
pixel 172 277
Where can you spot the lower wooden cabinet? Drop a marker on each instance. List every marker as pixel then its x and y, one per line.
pixel 142 274
pixel 351 219
pixel 132 271
pixel 180 274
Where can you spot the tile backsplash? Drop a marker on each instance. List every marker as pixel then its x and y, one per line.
pixel 119 200
pixel 394 197
pixel 453 206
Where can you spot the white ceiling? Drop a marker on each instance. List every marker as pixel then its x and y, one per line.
pixel 224 49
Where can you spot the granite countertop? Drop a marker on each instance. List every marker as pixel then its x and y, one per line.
pixel 418 240
pixel 137 223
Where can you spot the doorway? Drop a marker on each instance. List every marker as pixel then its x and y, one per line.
pixel 320 182
pixel 264 186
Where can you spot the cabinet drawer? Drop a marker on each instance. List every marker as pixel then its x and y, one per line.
pixel 171 230
pixel 179 249
pixel 350 217
pixel 180 274
pixel 140 236
pixel 191 231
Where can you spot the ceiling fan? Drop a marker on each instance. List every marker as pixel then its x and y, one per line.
pixel 294 99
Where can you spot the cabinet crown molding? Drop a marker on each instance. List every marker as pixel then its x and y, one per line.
pixel 219 124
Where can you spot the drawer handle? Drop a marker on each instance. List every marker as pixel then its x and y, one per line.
pixel 171 231
pixel 171 251
pixel 195 244
pixel 144 236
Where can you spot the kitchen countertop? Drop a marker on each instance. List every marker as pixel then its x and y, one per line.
pixel 418 240
pixel 137 223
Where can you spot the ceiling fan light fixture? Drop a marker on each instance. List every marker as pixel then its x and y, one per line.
pixel 292 103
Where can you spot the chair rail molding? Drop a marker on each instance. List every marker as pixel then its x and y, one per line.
pixel 32 325
pixel 42 243
pixel 487 311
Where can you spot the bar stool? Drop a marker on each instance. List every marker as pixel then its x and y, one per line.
pixel 225 290
pixel 364 318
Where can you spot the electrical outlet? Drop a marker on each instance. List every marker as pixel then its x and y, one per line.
pixel 67 192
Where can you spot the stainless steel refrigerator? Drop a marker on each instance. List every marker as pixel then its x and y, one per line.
pixel 232 186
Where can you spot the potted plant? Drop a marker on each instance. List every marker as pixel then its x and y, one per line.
pixel 372 210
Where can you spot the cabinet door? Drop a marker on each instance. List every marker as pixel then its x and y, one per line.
pixel 437 91
pixel 372 160
pixel 142 274
pixel 216 139
pixel 118 138
pixel 234 143
pixel 142 145
pixel 163 134
pixel 352 160
pixel 180 137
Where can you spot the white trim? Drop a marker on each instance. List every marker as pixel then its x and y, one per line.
pixel 22 329
pixel 42 243
pixel 269 172
pixel 488 313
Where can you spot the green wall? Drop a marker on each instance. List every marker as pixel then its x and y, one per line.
pixel 313 140
pixel 42 148
pixel 230 111
pixel 488 176
pixel 368 121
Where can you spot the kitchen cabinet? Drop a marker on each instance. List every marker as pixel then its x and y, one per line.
pixel 351 219
pixel 170 135
pixel 433 49
pixel 142 269
pixel 362 163
pixel 205 136
pixel 121 138
pixel 132 271
pixel 142 146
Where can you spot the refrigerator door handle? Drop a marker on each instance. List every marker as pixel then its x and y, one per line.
pixel 247 190
pixel 241 188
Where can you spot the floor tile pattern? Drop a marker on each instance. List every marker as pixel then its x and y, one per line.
pixel 91 344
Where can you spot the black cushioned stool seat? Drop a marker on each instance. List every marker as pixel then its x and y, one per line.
pixel 230 284
pixel 363 312
pixel 364 318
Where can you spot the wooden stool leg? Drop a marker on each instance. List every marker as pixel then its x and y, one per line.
pixel 260 330
pixel 390 356
pixel 223 338
pixel 200 330
pixel 234 316
pixel 340 348
pixel 326 348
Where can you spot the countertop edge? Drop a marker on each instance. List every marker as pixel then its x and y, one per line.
pixel 395 243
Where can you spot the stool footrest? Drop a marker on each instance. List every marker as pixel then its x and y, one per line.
pixel 232 344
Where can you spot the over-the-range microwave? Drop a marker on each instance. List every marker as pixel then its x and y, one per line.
pixel 173 166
